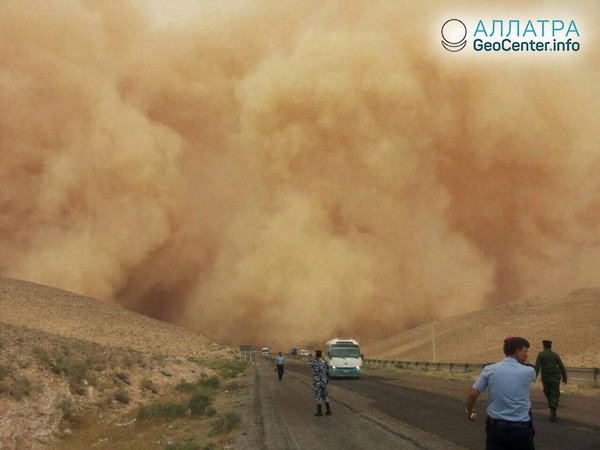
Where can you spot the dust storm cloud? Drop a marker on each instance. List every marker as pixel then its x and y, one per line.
pixel 289 171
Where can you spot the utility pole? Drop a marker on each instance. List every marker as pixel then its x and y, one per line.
pixel 433 340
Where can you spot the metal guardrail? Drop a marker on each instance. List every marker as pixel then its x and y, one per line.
pixel 463 367
pixel 593 370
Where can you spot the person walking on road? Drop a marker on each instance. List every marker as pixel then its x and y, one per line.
pixel 279 365
pixel 552 371
pixel 509 423
pixel 320 380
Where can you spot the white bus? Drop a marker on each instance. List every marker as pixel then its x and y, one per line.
pixel 343 357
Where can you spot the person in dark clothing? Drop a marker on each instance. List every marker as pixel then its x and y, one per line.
pixel 552 371
pixel 320 380
pixel 508 425
pixel 279 365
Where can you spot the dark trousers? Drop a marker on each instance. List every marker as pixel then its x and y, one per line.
pixel 280 371
pixel 504 435
pixel 552 392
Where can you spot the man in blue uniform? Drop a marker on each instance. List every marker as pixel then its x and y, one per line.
pixel 279 365
pixel 508 425
pixel 320 380
pixel 552 371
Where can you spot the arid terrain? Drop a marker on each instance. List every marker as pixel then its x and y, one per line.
pixel 570 319
pixel 79 373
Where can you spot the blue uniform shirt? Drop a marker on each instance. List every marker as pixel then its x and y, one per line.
pixel 509 383
pixel 279 361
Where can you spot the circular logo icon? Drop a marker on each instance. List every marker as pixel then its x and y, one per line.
pixel 454 33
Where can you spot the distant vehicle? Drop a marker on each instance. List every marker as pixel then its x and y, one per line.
pixel 304 352
pixel 344 358
pixel 265 351
pixel 293 352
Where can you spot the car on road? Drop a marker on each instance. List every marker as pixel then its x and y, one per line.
pixel 265 351
pixel 304 352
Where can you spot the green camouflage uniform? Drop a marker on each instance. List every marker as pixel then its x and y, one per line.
pixel 552 370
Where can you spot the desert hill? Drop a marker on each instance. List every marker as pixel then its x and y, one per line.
pixel 70 315
pixel 78 373
pixel 570 319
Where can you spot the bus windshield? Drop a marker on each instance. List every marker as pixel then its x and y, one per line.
pixel 344 352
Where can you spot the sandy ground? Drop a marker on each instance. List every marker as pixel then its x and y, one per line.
pixel 570 319
pixel 66 314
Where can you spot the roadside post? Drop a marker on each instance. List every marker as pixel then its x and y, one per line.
pixel 246 352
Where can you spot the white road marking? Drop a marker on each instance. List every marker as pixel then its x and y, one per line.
pixel 290 431
pixel 284 421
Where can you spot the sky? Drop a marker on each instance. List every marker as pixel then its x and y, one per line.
pixel 290 172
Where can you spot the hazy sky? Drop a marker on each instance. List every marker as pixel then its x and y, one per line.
pixel 176 12
pixel 290 171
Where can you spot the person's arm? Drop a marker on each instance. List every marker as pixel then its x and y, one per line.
pixel 532 375
pixel 478 387
pixel 563 371
pixel 470 402
pixel 538 363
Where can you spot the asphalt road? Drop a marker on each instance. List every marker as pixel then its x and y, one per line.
pixel 287 408
pixel 405 405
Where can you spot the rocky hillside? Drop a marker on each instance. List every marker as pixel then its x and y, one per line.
pixel 570 319
pixel 79 373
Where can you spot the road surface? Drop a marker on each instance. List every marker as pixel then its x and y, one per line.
pixel 400 412
pixel 287 409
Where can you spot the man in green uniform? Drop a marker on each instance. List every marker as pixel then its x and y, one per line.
pixel 552 370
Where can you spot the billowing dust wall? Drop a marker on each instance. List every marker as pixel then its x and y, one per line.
pixel 287 171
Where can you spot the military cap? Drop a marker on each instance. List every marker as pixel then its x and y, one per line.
pixel 547 343
pixel 318 353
